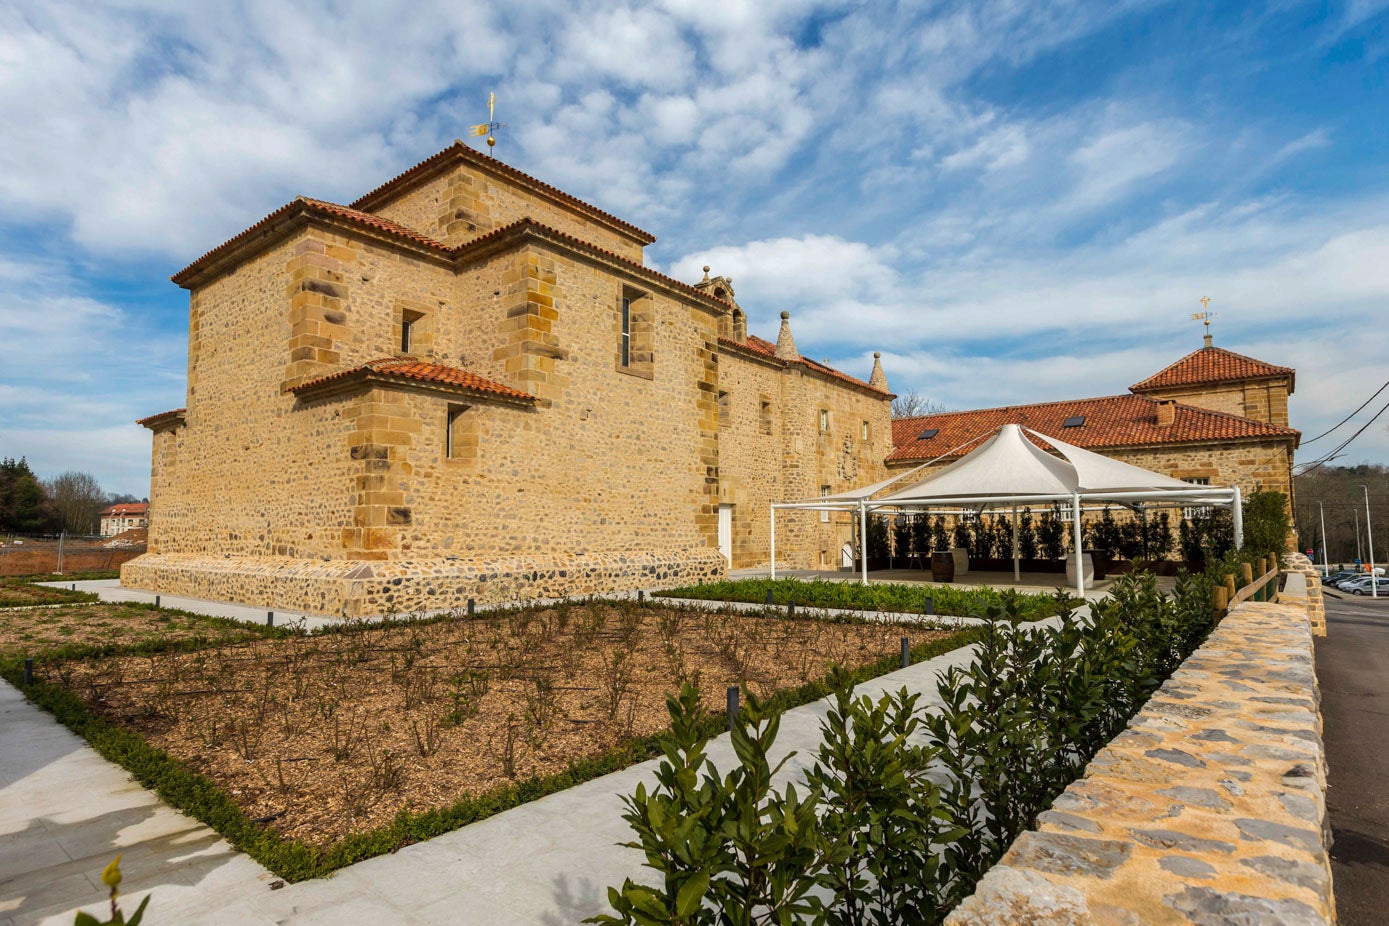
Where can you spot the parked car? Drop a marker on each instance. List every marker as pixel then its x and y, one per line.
pixel 1341 576
pixel 1345 584
pixel 1361 586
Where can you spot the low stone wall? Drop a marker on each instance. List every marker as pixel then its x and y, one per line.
pixel 1304 588
pixel 348 588
pixel 1210 808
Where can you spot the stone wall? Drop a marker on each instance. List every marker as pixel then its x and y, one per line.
pixel 1263 400
pixel 1209 808
pixel 781 455
pixel 1304 588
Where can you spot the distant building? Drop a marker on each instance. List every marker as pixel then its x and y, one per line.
pixel 123 517
pixel 1214 417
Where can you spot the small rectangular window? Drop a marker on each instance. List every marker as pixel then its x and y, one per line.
pixel 866 431
pixel 766 416
pixel 928 434
pixel 824 515
pixel 458 443
pixel 626 331
pixel 824 420
pixel 1074 421
pixel 724 404
pixel 410 327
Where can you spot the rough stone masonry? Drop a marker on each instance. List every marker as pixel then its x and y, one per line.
pixel 1210 808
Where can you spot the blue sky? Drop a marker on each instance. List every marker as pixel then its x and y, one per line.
pixel 1014 201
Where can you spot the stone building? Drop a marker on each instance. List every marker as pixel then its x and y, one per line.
pixel 1214 417
pixel 467 384
pixel 124 516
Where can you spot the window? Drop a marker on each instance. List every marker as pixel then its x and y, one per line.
pixel 1074 421
pixel 824 515
pixel 766 415
pixel 724 404
pixel 928 434
pixel 626 330
pixel 1197 511
pixel 635 326
pixel 866 431
pixel 460 434
pixel 824 421
pixel 413 331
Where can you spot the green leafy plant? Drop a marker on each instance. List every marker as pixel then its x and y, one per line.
pixel 111 877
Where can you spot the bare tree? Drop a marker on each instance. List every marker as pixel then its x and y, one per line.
pixel 78 499
pixel 912 403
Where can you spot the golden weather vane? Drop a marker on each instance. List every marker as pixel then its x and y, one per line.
pixel 489 127
pixel 1205 317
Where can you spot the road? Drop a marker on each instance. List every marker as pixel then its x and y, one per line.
pixel 1353 671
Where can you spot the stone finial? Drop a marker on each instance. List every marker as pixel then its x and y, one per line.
pixel 1208 339
pixel 879 379
pixel 785 344
pixel 706 274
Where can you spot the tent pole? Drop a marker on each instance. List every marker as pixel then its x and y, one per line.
pixel 1080 562
pixel 1237 513
pixel 773 528
pixel 863 539
pixel 1017 567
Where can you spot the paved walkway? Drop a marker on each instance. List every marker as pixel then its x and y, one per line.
pixel 1353 670
pixel 65 812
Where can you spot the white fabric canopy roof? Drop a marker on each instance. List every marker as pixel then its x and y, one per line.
pixel 1008 469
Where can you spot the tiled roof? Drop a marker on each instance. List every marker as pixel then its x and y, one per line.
pixel 1211 365
pixel 458 150
pixel 154 421
pixel 408 369
pixel 127 510
pixel 305 205
pixel 766 348
pixel 1111 421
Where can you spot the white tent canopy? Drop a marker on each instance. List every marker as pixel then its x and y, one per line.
pixel 1009 469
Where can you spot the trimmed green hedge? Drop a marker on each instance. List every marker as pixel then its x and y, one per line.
pixel 197 796
pixel 879 596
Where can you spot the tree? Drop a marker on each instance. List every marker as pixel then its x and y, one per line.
pixel 1051 534
pixel 78 499
pixel 911 403
pixel 24 508
pixel 940 540
pixel 1027 535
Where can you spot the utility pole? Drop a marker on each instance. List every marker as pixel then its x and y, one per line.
pixel 1325 566
pixel 1370 534
pixel 1356 512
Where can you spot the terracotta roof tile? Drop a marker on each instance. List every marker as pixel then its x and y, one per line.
pixel 152 421
pixel 126 509
pixel 1210 365
pixel 410 369
pixel 1110 421
pixel 766 348
pixel 462 152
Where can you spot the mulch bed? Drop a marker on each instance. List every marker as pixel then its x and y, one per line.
pixel 327 735
pixel 36 631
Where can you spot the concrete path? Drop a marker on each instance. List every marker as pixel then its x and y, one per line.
pixel 1353 671
pixel 64 812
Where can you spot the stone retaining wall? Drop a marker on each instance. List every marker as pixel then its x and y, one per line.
pixel 1304 588
pixel 1210 808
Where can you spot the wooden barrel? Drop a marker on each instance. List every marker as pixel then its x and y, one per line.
pixel 942 566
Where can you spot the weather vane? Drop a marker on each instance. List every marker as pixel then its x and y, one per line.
pixel 489 127
pixel 1205 316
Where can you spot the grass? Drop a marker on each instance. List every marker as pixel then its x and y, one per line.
pixel 898 598
pixel 23 593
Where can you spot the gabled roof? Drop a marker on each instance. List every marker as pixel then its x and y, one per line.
pixel 458 152
pixel 766 349
pixel 1212 365
pixel 127 510
pixel 408 370
pixel 1109 422
pixel 172 418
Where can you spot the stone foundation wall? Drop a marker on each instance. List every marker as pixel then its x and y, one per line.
pixel 359 589
pixel 1209 808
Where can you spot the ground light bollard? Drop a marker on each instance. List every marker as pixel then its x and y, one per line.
pixel 790 609
pixel 732 705
pixel 930 606
pixel 28 672
pixel 156 601
pixel 769 597
pixel 906 652
pixel 270 618
pixel 472 606
pixel 641 595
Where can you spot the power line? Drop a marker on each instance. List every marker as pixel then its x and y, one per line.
pixel 1344 444
pixel 1348 417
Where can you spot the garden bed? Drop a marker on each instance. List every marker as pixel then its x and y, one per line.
pixel 323 738
pixel 878 597
pixel 90 629
pixel 21 593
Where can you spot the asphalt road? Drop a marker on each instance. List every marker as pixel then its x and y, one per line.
pixel 1353 671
